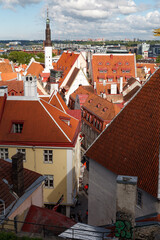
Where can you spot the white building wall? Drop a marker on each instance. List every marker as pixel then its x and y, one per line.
pixel 48 59
pixel 102 197
pixel 80 79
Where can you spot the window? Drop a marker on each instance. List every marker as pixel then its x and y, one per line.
pixel 114 71
pixel 48 156
pixel 49 182
pixel 17 127
pixel 100 63
pixel 119 63
pixel 107 63
pixel 4 153
pixel 110 79
pixel 94 122
pixel 139 198
pixel 2 207
pixel 21 150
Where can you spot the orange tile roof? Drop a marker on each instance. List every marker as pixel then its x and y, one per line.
pixel 8 76
pixel 5 67
pixel 44 125
pixel 82 90
pixel 65 63
pixel 130 144
pixel 6 173
pixel 57 101
pixel 104 65
pixel 35 69
pixel 100 107
pixel 16 86
pixel 152 66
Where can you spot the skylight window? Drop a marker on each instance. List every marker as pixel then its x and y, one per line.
pixel 17 127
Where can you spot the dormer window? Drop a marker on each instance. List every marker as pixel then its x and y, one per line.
pixel 65 120
pixel 107 63
pixel 100 63
pixel 17 127
pixel 119 63
pixel 98 105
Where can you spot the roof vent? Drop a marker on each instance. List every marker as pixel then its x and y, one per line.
pixel 98 105
pixel 105 109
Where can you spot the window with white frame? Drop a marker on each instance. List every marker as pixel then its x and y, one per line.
pixel 48 156
pixel 17 127
pixel 139 198
pixel 110 79
pixel 22 150
pixel 49 182
pixel 4 153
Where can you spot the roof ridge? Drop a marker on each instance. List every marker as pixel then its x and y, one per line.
pixel 60 102
pixel 53 118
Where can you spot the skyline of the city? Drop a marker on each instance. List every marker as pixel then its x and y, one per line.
pixel 76 20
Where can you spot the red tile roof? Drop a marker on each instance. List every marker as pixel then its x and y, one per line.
pixel 35 69
pixel 57 101
pixel 109 62
pixel 82 90
pixel 5 67
pixel 46 217
pixel 43 124
pixel 6 173
pixel 130 144
pixel 152 66
pixel 65 63
pixel 13 86
pixel 100 107
pixel 76 113
pixel 8 76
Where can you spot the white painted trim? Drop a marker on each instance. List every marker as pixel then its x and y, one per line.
pixel 60 103
pixel 23 98
pixel 54 120
pixel 32 146
pixel 69 176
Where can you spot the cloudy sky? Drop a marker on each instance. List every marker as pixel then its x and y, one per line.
pixel 79 19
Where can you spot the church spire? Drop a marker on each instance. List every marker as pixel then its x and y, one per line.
pixel 48 31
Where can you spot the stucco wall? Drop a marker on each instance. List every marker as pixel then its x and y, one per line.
pixel 35 162
pixel 102 197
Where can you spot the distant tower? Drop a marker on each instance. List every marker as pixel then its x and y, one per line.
pixel 48 47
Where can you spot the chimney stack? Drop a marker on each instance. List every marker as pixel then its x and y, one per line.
pixel 3 91
pixel 30 86
pixel 17 174
pixel 121 84
pixel 125 206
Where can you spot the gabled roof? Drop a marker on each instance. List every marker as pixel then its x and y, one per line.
pixel 14 85
pixel 6 67
pixel 72 77
pixel 101 107
pixel 35 69
pixel 57 101
pixel 6 173
pixel 82 90
pixel 65 63
pixel 8 76
pixel 130 144
pixel 43 124
pixel 104 65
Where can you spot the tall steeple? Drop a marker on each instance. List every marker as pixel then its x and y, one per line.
pixel 48 32
pixel 48 47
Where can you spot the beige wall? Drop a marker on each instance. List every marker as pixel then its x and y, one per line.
pixel 34 161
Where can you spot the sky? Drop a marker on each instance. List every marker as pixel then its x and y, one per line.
pixel 79 19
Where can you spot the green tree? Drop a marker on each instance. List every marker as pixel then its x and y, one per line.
pixel 158 59
pixel 20 57
pixel 138 57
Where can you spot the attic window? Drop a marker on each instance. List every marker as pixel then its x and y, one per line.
pixel 65 120
pixel 105 109
pixel 17 127
pixel 127 63
pixel 100 63
pixel 90 100
pixel 107 63
pixel 119 63
pixel 98 105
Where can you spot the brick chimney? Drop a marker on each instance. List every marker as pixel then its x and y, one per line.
pixel 17 174
pixel 125 206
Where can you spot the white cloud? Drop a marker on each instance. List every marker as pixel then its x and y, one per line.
pixel 13 3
